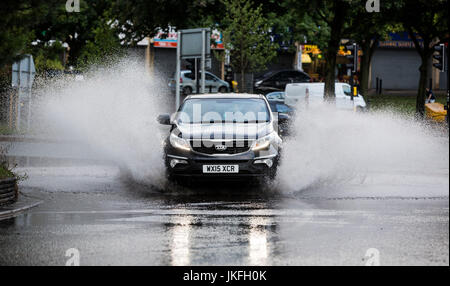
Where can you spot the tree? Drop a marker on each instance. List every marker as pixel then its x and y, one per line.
pixel 17 18
pixel 427 25
pixel 328 20
pixel 367 29
pixel 75 29
pixel 143 18
pixel 105 43
pixel 48 56
pixel 246 33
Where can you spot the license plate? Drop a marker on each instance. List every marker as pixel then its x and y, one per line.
pixel 220 169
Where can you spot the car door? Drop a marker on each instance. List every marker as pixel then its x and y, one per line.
pixel 211 83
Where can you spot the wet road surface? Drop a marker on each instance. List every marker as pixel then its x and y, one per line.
pixel 111 223
pixel 112 220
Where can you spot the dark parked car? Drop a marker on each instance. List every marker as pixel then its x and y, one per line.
pixel 211 139
pixel 281 108
pixel 287 112
pixel 277 80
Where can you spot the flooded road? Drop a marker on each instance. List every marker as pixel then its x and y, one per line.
pixel 111 220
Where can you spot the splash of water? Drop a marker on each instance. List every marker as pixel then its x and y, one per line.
pixel 372 151
pixel 381 153
pixel 113 111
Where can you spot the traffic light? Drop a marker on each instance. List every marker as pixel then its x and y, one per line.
pixel 228 74
pixel 440 55
pixel 353 65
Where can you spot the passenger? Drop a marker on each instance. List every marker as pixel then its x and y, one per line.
pixel 430 96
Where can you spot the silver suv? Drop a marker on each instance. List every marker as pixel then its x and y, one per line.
pixel 188 83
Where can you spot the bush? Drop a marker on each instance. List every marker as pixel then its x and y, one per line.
pixel 5 169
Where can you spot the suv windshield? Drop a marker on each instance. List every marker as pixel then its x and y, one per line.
pixel 224 110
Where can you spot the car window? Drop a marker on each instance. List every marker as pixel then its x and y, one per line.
pixel 209 76
pixel 189 75
pixel 268 74
pixel 275 96
pixel 240 110
pixel 301 77
pixel 285 75
pixel 283 108
pixel 277 76
pixel 347 90
pixel 292 74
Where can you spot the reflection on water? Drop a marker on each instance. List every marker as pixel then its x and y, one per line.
pixel 180 240
pixel 258 248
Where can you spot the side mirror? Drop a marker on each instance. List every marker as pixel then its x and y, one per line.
pixel 283 124
pixel 164 119
pixel 283 118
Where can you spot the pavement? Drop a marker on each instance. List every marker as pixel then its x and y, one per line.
pixel 89 206
pixel 23 204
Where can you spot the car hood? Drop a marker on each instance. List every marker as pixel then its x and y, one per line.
pixel 224 131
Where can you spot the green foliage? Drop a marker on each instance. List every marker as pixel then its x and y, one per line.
pixel 142 18
pixel 75 29
pixel 5 130
pixel 48 56
pixel 427 25
pixel 246 33
pixel 6 171
pixel 14 29
pixel 403 103
pixel 104 45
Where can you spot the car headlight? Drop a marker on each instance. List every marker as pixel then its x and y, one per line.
pixel 258 83
pixel 264 142
pixel 179 143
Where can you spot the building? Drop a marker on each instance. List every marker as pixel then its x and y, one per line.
pixel 396 62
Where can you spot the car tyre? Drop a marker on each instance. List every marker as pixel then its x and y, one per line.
pixel 223 89
pixel 187 90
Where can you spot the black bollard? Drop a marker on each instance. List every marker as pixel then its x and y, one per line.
pixel 381 86
pixel 377 85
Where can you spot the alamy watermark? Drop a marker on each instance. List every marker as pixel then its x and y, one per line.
pixel 74 257
pixel 73 6
pixel 373 6
pixel 373 257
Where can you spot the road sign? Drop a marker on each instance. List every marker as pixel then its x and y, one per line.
pixel 191 40
pixel 23 73
pixel 192 44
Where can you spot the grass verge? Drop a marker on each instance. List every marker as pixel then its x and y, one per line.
pixel 405 104
pixel 5 130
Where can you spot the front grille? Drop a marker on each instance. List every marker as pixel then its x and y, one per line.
pixel 231 147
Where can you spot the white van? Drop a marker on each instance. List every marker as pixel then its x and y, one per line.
pixel 296 93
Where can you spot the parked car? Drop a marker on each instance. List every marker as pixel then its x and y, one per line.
pixel 283 110
pixel 277 96
pixel 188 83
pixel 277 80
pixel 296 93
pixel 281 107
pixel 226 148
